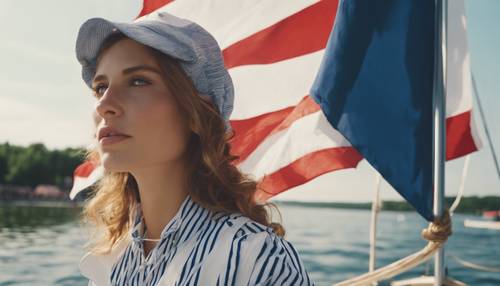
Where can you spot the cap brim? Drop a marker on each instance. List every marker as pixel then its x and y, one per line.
pixel 94 32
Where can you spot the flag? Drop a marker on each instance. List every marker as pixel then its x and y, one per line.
pixel 84 176
pixel 273 51
pixel 375 86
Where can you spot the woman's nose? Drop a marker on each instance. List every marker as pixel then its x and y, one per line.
pixel 108 105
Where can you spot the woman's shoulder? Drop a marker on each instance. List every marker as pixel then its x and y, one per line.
pixel 269 258
pixel 250 230
pixel 245 228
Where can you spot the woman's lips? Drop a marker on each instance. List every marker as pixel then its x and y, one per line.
pixel 108 140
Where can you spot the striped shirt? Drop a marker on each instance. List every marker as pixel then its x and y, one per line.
pixel 188 243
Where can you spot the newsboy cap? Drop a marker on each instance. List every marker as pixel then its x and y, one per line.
pixel 196 50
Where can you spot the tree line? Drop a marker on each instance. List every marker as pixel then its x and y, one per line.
pixel 472 204
pixel 35 164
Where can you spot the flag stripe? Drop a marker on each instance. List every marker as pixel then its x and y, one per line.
pixel 230 21
pixel 277 86
pixel 459 138
pixel 307 168
pixel 84 176
pixel 290 37
pixel 149 6
pixel 459 143
pixel 249 133
pixel 307 134
pixel 85 169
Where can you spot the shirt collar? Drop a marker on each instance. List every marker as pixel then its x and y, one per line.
pixel 188 216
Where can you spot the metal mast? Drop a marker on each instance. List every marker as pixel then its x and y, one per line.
pixel 439 117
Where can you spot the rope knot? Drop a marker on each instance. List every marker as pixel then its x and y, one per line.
pixel 439 230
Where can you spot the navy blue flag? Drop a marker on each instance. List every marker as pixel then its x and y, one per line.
pixel 375 87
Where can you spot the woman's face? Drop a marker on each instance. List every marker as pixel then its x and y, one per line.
pixel 133 99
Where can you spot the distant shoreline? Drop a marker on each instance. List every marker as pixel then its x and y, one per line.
pixel 470 205
pixel 42 203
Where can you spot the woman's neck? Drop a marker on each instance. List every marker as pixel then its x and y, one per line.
pixel 162 190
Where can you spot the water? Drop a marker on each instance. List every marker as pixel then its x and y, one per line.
pixel 42 246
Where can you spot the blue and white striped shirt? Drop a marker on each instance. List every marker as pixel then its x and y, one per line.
pixel 191 252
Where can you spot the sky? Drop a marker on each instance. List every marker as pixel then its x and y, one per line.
pixel 44 100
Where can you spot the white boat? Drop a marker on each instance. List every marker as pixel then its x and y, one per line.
pixel 482 224
pixel 427 281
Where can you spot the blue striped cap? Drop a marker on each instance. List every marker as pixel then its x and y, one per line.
pixel 196 50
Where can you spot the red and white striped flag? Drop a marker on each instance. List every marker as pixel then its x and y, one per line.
pixel 273 50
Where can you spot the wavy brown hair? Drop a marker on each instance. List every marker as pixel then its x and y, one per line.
pixel 209 164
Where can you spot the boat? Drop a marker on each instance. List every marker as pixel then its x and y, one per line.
pixel 426 281
pixel 491 221
pixel 492 215
pixel 482 224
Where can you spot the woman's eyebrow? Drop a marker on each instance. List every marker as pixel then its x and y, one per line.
pixel 141 67
pixel 131 70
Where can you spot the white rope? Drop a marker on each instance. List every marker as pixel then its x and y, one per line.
pixel 474 265
pixel 462 186
pixel 413 260
pixel 437 233
pixel 373 224
pixel 394 268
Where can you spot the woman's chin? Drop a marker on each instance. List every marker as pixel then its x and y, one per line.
pixel 112 164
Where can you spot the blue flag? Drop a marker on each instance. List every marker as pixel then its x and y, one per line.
pixel 375 86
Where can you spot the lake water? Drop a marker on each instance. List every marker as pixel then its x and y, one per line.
pixel 42 246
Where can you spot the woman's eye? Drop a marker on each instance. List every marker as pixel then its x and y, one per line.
pixel 99 90
pixel 139 81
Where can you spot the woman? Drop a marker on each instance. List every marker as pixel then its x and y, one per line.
pixel 171 208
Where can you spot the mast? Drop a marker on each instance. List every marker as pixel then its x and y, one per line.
pixel 439 117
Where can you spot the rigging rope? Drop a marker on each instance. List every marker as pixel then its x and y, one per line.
pixel 474 265
pixel 436 233
pixel 486 131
